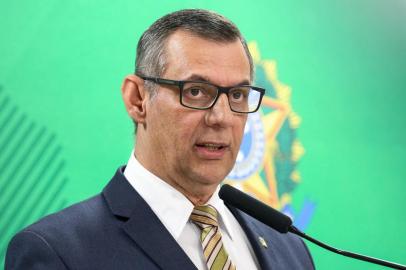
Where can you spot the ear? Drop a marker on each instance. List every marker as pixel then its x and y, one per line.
pixel 134 97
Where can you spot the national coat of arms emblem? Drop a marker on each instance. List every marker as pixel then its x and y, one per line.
pixel 266 165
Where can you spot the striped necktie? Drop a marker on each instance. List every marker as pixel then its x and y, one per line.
pixel 205 217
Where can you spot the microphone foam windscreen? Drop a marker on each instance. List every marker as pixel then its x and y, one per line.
pixel 255 208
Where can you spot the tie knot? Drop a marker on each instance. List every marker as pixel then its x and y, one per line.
pixel 204 216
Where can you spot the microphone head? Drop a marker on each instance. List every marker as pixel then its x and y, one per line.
pixel 255 208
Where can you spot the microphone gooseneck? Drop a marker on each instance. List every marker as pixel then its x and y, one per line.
pixel 283 224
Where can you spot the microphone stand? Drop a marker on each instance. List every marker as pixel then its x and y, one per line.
pixel 296 231
pixel 282 223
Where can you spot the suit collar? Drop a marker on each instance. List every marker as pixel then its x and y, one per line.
pixel 120 196
pixel 171 206
pixel 264 252
pixel 143 226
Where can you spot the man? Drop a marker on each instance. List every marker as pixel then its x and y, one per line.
pixel 189 99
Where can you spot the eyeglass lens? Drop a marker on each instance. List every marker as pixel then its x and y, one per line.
pixel 202 95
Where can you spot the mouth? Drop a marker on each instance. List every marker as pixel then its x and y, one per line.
pixel 211 150
pixel 211 146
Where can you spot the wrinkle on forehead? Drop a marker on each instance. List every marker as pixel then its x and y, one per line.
pixel 222 63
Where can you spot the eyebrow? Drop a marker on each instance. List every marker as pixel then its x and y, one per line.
pixel 196 77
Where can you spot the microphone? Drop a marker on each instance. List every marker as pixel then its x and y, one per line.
pixel 283 224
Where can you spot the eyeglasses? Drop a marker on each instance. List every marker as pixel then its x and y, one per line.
pixel 203 95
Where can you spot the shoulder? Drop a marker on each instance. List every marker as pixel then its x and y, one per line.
pixel 29 250
pixel 48 241
pixel 73 219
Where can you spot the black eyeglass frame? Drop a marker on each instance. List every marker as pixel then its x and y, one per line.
pixel 220 90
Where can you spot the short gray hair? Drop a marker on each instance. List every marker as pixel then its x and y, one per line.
pixel 151 60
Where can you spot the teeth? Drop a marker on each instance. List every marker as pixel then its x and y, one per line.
pixel 211 146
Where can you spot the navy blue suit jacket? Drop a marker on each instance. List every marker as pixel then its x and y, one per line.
pixel 118 230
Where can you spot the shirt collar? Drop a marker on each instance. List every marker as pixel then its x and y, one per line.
pixel 170 205
pixel 224 213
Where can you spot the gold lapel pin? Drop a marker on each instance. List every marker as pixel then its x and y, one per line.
pixel 263 242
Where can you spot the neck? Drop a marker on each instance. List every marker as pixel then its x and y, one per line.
pixel 197 193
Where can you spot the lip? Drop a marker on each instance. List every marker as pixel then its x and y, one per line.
pixel 211 150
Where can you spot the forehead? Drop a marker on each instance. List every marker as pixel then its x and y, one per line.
pixel 222 63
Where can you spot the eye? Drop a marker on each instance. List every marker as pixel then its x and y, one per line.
pixel 195 91
pixel 238 94
pixel 198 91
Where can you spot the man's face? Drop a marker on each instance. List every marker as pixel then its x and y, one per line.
pixel 195 149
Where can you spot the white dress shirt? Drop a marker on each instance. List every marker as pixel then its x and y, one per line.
pixel 174 209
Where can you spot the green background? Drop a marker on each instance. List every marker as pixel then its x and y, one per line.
pixel 61 67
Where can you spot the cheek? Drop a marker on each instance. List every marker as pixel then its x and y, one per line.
pixel 177 128
pixel 239 129
pixel 187 128
pixel 162 114
pixel 186 121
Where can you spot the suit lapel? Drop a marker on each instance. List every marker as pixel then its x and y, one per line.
pixel 260 242
pixel 143 226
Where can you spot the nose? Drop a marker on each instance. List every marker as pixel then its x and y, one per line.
pixel 220 114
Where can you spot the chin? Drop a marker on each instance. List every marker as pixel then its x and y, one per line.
pixel 211 177
pixel 208 172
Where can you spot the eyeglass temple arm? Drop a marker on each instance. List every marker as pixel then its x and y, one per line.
pixel 159 80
